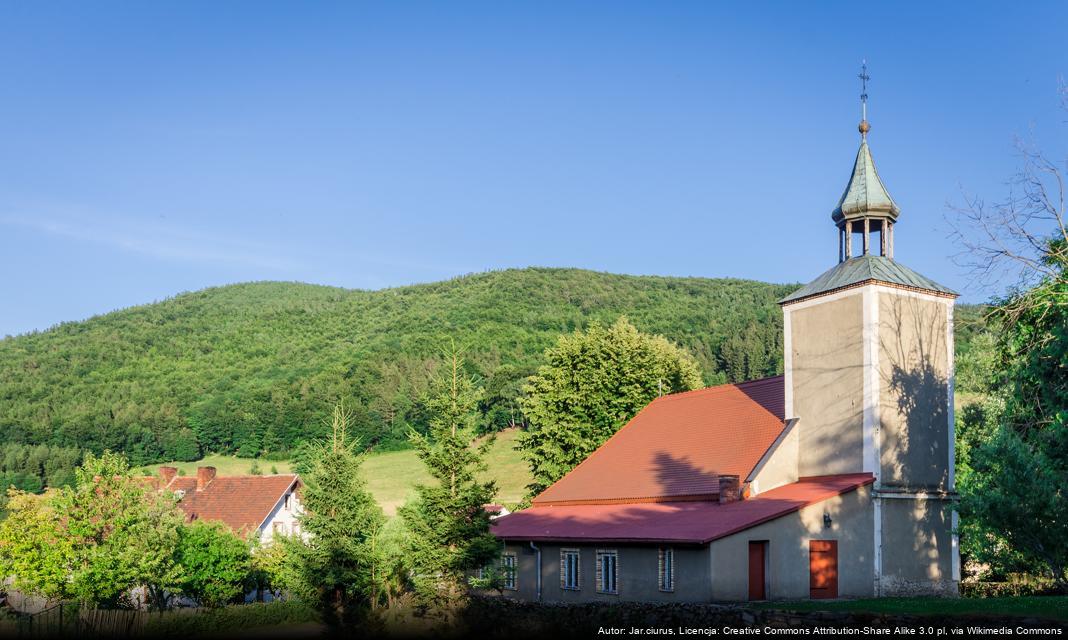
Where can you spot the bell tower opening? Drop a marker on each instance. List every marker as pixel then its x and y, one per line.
pixel 870 236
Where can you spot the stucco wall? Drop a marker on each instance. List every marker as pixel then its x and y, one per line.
pixel 828 385
pixel 637 575
pixel 913 380
pixel 284 518
pixel 788 559
pixel 917 547
pixel 781 465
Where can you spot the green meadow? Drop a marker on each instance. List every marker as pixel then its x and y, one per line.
pixel 391 475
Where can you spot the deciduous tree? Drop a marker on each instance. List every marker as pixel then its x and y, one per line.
pixel 592 383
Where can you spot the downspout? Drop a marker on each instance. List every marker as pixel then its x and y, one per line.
pixel 537 551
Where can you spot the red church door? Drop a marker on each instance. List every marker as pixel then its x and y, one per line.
pixel 822 569
pixel 758 585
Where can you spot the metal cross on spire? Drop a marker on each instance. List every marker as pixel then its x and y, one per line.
pixel 864 77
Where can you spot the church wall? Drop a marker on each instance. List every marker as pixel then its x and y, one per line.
pixel 788 554
pixel 638 573
pixel 914 371
pixel 827 381
pixel 917 539
pixel 781 465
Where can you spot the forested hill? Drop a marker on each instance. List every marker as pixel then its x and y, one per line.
pixel 253 368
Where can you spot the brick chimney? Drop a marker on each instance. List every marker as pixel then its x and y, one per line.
pixel 728 489
pixel 206 474
pixel 166 474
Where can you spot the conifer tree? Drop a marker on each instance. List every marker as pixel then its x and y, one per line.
pixel 448 523
pixel 341 519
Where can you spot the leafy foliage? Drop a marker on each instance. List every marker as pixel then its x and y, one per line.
pixel 215 563
pixel 1016 460
pixel 593 382
pixel 34 550
pixel 449 526
pixel 252 368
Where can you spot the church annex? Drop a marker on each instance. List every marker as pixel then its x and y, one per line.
pixel 833 480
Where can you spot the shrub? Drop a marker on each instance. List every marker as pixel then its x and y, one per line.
pixel 197 622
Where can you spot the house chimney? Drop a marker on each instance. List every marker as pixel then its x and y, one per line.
pixel 206 474
pixel 166 474
pixel 728 489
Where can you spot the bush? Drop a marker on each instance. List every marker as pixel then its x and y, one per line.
pixel 1019 587
pixel 238 617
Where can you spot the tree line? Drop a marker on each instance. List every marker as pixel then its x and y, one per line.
pixel 249 369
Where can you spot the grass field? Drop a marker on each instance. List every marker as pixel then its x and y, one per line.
pixel 392 475
pixel 225 465
pixel 1052 607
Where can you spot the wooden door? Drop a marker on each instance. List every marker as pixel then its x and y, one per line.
pixel 822 569
pixel 758 586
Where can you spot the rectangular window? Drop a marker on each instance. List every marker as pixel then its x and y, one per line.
pixel 286 505
pixel 569 569
pixel 667 569
pixel 508 571
pixel 607 571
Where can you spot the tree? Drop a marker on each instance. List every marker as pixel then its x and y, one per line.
pixel 216 563
pixel 340 520
pixel 448 523
pixel 122 534
pixel 34 549
pixel 593 382
pixel 94 542
pixel 1017 493
pixel 1014 491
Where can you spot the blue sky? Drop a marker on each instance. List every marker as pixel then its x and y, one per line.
pixel 152 148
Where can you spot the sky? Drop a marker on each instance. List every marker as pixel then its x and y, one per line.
pixel 152 148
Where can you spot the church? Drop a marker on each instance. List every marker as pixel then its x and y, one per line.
pixel 832 480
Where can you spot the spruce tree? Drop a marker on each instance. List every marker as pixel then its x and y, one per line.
pixel 449 526
pixel 341 518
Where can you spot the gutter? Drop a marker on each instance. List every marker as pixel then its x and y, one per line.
pixel 537 551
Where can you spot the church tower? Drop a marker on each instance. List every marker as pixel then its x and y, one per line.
pixel 869 378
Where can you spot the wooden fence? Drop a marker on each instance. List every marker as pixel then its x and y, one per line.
pixel 70 620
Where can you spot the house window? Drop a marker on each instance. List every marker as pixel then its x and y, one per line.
pixel 667 569
pixel 607 571
pixel 278 528
pixel 508 571
pixel 286 503
pixel 569 569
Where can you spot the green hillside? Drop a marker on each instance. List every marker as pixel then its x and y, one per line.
pixel 251 369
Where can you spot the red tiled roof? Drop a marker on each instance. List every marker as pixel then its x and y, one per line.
pixel 241 502
pixel 677 522
pixel 677 447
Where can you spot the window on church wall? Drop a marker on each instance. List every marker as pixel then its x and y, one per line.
pixel 508 571
pixel 666 572
pixel 569 570
pixel 607 571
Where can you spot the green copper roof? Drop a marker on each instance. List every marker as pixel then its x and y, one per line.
pixel 865 194
pixel 862 269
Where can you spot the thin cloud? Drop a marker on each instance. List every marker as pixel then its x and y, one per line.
pixel 160 242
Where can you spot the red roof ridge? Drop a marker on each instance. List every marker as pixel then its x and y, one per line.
pixel 719 387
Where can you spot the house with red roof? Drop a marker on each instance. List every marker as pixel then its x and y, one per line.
pixel 832 480
pixel 255 506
